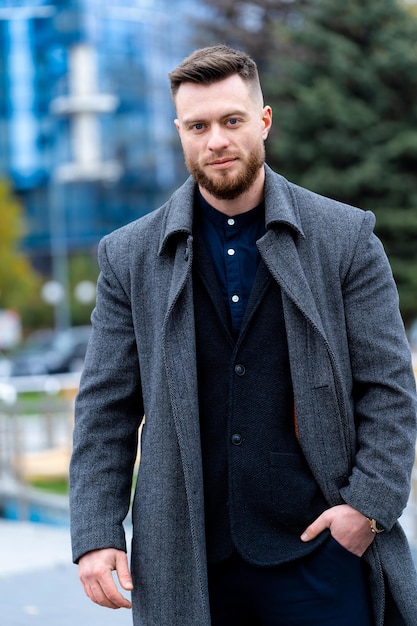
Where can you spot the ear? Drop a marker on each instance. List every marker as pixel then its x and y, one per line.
pixel 266 121
pixel 177 125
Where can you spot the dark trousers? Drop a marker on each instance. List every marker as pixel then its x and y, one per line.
pixel 326 588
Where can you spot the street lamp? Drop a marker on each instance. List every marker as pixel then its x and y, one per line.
pixel 83 105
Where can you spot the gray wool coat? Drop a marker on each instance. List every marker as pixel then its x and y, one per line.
pixel 353 384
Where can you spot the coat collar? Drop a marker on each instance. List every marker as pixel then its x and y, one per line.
pixel 179 213
pixel 280 203
pixel 280 207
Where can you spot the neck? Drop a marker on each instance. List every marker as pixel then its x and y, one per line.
pixel 243 203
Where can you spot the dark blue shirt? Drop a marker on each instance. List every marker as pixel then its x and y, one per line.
pixel 231 243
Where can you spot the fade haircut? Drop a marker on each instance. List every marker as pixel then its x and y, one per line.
pixel 215 63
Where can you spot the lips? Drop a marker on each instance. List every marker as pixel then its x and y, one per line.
pixel 223 162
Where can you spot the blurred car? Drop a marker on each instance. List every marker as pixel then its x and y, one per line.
pixel 51 352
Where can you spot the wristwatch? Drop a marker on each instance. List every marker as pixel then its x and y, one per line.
pixel 375 527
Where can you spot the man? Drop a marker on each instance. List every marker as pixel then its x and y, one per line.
pixel 256 326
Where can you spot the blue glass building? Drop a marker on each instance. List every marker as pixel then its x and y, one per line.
pixel 86 132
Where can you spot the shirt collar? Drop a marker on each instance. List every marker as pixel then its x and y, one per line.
pixel 207 212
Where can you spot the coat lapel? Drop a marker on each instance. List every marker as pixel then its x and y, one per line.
pixel 314 368
pixel 278 246
pixel 280 255
pixel 179 355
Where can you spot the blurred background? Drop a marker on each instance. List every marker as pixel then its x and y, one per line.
pixel 87 144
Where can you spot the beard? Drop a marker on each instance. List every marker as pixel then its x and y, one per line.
pixel 226 186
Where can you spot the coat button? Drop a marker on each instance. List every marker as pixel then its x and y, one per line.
pixel 240 369
pixel 236 439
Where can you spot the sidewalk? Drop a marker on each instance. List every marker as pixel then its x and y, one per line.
pixel 39 585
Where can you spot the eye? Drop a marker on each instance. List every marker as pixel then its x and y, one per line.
pixel 233 121
pixel 198 127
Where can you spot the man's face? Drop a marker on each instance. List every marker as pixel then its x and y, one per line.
pixel 222 128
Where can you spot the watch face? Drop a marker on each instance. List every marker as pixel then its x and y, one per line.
pixel 375 526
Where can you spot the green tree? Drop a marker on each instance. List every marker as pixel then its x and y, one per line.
pixel 19 283
pixel 342 81
pixel 347 119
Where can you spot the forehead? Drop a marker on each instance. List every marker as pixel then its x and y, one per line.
pixel 195 100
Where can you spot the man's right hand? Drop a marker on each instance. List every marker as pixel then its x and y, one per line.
pixel 95 571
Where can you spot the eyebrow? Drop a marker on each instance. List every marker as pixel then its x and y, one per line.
pixel 226 116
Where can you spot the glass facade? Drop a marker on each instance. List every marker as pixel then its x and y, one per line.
pixel 86 132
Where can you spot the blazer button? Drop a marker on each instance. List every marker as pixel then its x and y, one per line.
pixel 240 369
pixel 236 439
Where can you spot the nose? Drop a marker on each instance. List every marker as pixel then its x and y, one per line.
pixel 218 139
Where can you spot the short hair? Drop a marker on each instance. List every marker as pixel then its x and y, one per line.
pixel 212 64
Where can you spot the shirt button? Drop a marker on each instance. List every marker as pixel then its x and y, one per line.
pixel 231 221
pixel 235 298
pixel 236 439
pixel 240 369
pixel 231 252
